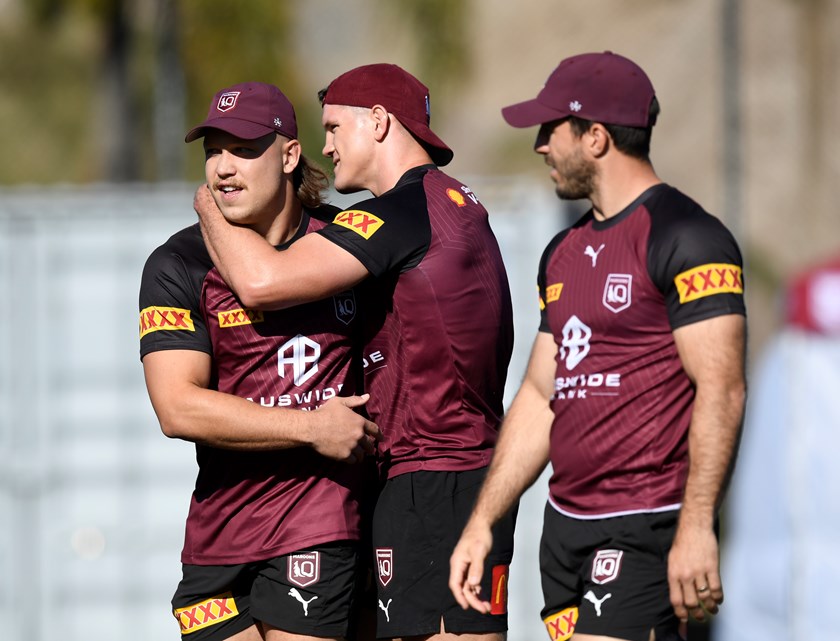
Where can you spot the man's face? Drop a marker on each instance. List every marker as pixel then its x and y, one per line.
pixel 245 176
pixel 349 143
pixel 572 173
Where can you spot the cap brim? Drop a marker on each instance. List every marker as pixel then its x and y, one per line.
pixel 244 129
pixel 531 113
pixel 438 150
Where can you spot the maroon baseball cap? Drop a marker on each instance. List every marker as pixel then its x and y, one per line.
pixel 602 87
pixel 249 110
pixel 399 92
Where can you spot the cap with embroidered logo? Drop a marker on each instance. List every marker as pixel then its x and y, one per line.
pixel 249 110
pixel 602 87
pixel 400 93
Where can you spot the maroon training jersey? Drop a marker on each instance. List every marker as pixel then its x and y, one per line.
pixel 439 325
pixel 611 293
pixel 249 506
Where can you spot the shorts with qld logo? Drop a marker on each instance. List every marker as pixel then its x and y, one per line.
pixel 608 576
pixel 417 522
pixel 311 592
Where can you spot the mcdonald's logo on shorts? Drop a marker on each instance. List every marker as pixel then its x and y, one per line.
pixel 499 591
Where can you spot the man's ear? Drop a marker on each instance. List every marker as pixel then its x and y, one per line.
pixel 291 155
pixel 381 122
pixel 597 140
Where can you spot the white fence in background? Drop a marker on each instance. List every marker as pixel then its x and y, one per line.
pixel 93 497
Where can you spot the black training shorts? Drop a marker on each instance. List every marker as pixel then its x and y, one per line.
pixel 312 592
pixel 418 520
pixel 610 575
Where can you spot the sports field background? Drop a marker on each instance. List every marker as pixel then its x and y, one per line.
pixel 96 97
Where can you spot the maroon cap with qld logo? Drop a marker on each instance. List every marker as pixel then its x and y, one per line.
pixel 602 87
pixel 249 110
pixel 400 93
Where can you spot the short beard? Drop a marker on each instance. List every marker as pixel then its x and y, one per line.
pixel 578 177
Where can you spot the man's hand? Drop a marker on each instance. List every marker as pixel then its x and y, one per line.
pixel 203 201
pixel 343 434
pixel 693 574
pixel 466 566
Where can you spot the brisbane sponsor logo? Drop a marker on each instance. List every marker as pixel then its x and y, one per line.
pixel 708 280
pixel 239 317
pixel 362 222
pixel 560 626
pixel 209 612
pixel 499 589
pixel 154 319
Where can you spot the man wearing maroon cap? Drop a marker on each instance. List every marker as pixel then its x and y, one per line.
pixel 271 545
pixel 438 336
pixel 635 388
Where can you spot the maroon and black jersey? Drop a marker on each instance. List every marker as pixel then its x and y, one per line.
pixel 249 506
pixel 439 328
pixel 611 293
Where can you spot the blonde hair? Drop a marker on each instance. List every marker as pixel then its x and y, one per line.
pixel 310 183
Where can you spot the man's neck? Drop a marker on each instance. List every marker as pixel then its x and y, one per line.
pixel 620 185
pixel 284 225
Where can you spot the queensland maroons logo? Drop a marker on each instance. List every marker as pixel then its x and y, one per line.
pixel 227 101
pixel 606 566
pixel 385 565
pixel 304 569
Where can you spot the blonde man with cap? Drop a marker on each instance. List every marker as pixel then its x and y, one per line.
pixel 635 387
pixel 438 336
pixel 271 546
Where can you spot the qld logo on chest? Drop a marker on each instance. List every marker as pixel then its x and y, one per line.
pixel 618 292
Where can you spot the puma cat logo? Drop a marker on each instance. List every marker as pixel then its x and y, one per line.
pixel 590 596
pixel 593 253
pixel 299 598
pixel 384 608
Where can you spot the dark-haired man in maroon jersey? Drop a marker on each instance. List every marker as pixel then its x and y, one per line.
pixel 635 388
pixel 438 335
pixel 271 545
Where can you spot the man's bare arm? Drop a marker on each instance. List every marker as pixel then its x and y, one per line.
pixel 713 355
pixel 177 384
pixel 519 458
pixel 312 268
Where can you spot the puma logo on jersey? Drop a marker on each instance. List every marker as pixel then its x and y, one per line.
pixel 590 596
pixel 384 608
pixel 593 253
pixel 304 602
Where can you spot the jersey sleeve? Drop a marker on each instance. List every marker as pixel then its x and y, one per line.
pixel 170 298
pixel 548 292
pixel 695 262
pixel 385 234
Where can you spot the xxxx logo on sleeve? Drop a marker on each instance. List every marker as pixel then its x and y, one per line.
pixel 238 317
pixel 552 294
pixel 708 280
pixel 362 222
pixel 210 612
pixel 153 319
